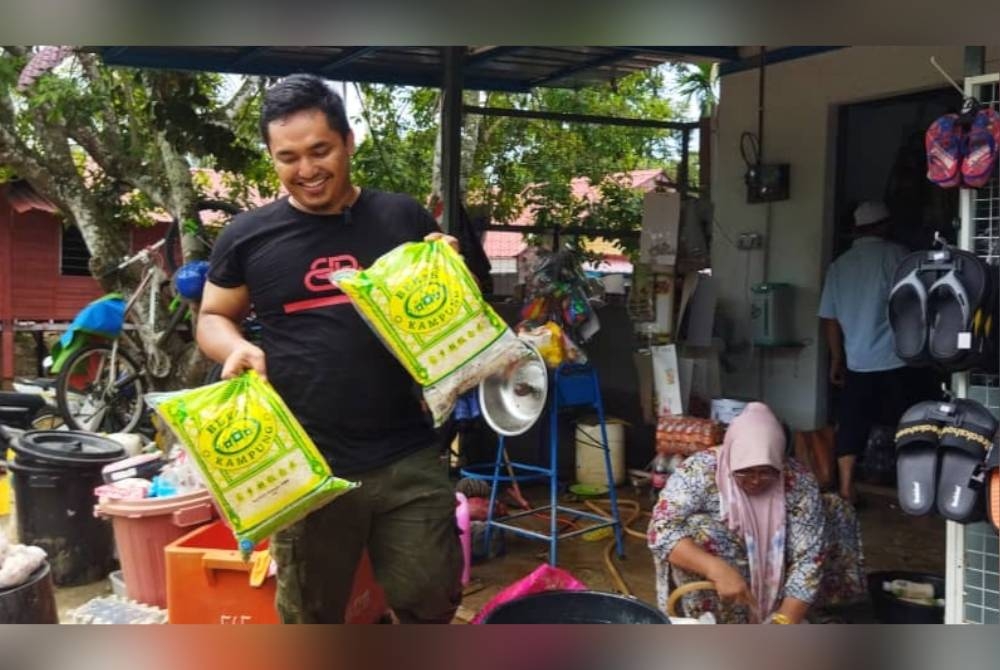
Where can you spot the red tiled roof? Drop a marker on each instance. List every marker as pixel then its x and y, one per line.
pixel 24 198
pixel 508 245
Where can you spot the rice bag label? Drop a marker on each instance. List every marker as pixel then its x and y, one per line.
pixel 423 304
pixel 256 459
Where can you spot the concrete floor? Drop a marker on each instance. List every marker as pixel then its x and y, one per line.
pixel 892 541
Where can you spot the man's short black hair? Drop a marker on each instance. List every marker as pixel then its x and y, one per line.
pixel 297 92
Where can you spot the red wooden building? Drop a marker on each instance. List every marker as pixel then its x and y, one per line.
pixel 44 280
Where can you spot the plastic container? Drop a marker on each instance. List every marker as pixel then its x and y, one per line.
pixel 570 607
pixel 465 528
pixel 890 609
pixel 590 467
pixel 143 528
pixel 55 511
pixel 771 314
pixel 118 587
pixel 5 494
pixel 144 466
pixel 724 410
pixel 208 583
pixel 55 473
pixel 31 602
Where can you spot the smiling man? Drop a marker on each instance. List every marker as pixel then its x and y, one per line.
pixel 354 399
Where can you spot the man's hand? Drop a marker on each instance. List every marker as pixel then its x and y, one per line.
pixel 452 241
pixel 838 373
pixel 244 357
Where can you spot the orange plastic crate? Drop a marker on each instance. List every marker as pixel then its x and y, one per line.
pixel 208 583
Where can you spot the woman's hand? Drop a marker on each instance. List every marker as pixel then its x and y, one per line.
pixel 794 609
pixel 729 583
pixel 452 241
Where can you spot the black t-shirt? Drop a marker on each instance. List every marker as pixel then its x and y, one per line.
pixel 356 401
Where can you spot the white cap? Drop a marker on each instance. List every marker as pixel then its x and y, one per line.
pixel 870 213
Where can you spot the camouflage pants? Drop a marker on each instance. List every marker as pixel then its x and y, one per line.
pixel 404 513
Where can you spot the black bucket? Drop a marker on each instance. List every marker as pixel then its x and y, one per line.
pixel 31 602
pixel 568 607
pixel 890 609
pixel 55 474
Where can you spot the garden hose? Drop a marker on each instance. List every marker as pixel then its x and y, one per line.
pixel 634 513
pixel 682 591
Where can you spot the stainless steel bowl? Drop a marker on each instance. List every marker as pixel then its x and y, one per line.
pixel 512 402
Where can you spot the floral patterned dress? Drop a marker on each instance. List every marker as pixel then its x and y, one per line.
pixel 823 556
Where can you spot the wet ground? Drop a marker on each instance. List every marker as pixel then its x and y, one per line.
pixel 892 541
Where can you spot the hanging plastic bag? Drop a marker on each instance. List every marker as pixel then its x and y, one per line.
pixel 424 305
pixel 259 464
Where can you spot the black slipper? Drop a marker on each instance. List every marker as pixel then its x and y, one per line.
pixel 953 302
pixel 964 444
pixel 908 308
pixel 917 454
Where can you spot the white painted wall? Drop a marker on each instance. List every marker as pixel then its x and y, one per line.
pixel 801 100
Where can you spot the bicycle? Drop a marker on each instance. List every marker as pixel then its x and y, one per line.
pixel 101 386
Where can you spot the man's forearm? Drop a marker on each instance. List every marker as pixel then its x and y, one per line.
pixel 834 339
pixel 218 336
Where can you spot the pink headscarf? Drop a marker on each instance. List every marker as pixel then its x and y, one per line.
pixel 756 438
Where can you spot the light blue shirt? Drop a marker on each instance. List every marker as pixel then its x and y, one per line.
pixel 856 294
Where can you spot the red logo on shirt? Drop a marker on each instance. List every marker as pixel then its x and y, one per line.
pixel 317 280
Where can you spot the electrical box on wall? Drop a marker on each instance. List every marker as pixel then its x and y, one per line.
pixel 767 182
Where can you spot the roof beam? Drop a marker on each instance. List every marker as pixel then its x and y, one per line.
pixel 771 57
pixel 716 52
pixel 591 64
pixel 246 55
pixel 487 54
pixel 345 57
pixel 579 118
pixel 111 53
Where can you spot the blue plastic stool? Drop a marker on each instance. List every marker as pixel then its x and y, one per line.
pixel 572 386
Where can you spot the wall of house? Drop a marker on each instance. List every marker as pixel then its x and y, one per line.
pixel 31 286
pixel 801 101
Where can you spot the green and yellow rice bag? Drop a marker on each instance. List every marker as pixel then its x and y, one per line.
pixel 261 467
pixel 423 303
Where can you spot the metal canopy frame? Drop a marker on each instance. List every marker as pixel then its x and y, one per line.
pixel 510 68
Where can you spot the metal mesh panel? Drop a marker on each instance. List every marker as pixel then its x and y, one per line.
pixel 981 592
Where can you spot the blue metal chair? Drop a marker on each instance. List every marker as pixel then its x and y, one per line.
pixel 572 386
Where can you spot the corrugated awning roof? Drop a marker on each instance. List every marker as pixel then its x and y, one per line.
pixel 494 68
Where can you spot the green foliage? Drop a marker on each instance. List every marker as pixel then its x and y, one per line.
pixel 128 116
pixel 522 162
pixel 398 153
pixel 699 84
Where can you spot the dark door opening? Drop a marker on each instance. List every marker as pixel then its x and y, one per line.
pixel 881 156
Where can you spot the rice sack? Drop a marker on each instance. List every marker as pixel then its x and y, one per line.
pixel 261 467
pixel 424 305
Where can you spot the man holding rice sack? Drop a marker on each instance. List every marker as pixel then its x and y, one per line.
pixel 353 397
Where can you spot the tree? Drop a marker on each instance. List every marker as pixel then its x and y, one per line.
pixel 109 146
pixel 699 84
pixel 509 163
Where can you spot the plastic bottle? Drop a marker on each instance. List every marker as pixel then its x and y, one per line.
pixel 904 588
pixel 661 469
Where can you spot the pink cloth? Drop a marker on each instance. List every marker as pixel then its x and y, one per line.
pixel 756 438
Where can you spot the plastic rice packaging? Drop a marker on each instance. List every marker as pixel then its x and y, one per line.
pixel 261 467
pixel 423 303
